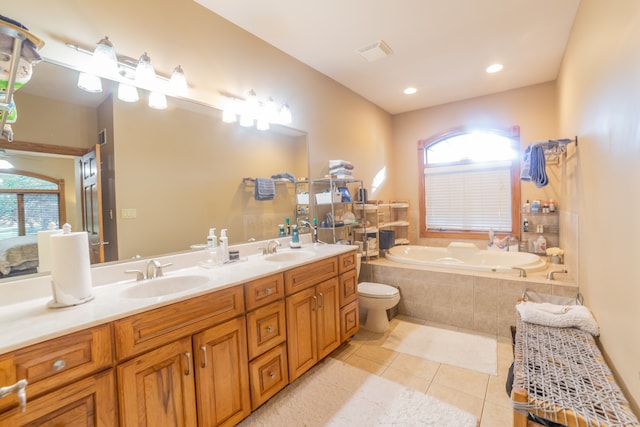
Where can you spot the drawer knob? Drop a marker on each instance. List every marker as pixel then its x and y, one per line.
pixel 59 365
pixel 268 291
pixel 270 329
pixel 272 375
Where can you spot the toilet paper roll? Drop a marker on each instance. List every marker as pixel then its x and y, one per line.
pixel 70 269
pixel 44 249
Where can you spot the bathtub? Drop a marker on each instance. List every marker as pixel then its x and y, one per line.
pixel 466 256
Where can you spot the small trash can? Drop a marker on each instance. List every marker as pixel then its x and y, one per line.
pixel 387 239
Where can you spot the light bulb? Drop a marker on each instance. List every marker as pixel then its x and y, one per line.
pixel 127 93
pixel 178 82
pixel 158 101
pixel 90 83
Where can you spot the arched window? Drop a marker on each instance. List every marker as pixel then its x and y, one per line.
pixel 29 202
pixel 469 183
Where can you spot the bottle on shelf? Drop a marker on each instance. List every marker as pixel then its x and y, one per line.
pixel 281 233
pixel 525 225
pixel 526 208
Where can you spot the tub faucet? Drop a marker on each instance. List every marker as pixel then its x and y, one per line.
pixel 523 272
pixel 551 273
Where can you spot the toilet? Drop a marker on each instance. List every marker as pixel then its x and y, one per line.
pixel 376 299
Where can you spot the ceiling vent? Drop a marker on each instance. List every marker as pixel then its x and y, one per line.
pixel 374 51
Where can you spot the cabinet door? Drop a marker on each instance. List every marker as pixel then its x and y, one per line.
pixel 301 332
pixel 157 388
pixel 87 402
pixel 328 317
pixel 222 374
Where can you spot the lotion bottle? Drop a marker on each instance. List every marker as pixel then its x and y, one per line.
pixel 224 245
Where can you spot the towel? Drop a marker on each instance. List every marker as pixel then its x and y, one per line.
pixel 340 164
pixel 265 189
pixel 284 175
pixel 525 170
pixel 558 316
pixel 538 167
pixel 341 171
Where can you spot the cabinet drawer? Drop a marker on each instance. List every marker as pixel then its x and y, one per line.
pixel 302 277
pixel 346 262
pixel 266 327
pixel 87 402
pixel 263 291
pixel 349 320
pixel 56 362
pixel 348 287
pixel 151 329
pixel 268 375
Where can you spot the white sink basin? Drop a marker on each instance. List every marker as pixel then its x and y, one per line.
pixel 293 255
pixel 162 286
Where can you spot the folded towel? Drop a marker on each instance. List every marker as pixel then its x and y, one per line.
pixel 340 171
pixel 265 189
pixel 284 175
pixel 538 166
pixel 559 316
pixel 340 164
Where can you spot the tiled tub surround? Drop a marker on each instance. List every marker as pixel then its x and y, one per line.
pixel 482 302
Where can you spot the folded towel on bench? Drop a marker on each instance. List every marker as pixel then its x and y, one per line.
pixel 559 316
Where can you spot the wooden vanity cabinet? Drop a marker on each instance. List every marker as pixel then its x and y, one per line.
pixel 349 309
pixel 69 379
pixel 266 336
pixel 313 310
pixel 199 376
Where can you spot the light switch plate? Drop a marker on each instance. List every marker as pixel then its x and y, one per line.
pixel 128 213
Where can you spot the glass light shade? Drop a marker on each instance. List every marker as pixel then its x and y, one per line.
pixel 145 74
pixel 262 124
pixel 178 82
pixel 246 120
pixel 127 93
pixel 285 115
pixel 4 164
pixel 90 83
pixel 158 101
pixel 104 58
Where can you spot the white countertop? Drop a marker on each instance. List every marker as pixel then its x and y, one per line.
pixel 26 319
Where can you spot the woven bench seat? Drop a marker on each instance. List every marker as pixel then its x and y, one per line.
pixel 560 375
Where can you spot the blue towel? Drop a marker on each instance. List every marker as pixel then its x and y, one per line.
pixel 265 189
pixel 538 166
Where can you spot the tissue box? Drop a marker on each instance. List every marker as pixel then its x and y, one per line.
pixel 328 197
pixel 303 198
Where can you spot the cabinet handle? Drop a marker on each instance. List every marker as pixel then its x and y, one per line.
pixel 321 300
pixel 188 356
pixel 59 365
pixel 315 303
pixel 268 291
pixel 270 329
pixel 203 348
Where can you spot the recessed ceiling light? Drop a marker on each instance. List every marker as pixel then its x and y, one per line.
pixel 494 68
pixel 410 90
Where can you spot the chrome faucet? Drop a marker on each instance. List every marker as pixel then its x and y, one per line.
pixel 271 247
pixel 154 268
pixel 551 273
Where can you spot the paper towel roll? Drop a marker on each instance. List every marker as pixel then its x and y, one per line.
pixel 70 269
pixel 44 249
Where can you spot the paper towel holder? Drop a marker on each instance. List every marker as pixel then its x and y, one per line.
pixel 54 303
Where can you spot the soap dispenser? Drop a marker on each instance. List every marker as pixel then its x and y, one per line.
pixel 224 245
pixel 295 237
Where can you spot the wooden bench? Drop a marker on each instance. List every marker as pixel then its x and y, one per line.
pixel 559 375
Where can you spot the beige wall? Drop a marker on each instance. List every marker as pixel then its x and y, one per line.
pixel 599 88
pixel 532 108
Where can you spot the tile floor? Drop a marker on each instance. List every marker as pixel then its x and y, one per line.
pixel 480 394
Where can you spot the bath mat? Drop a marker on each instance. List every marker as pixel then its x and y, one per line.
pixel 444 346
pixel 334 393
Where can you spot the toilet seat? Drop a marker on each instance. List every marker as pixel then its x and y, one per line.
pixel 376 290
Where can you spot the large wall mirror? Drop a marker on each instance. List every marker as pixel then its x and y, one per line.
pixel 167 175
